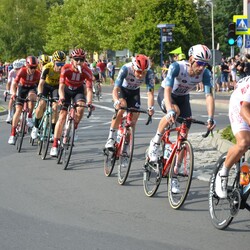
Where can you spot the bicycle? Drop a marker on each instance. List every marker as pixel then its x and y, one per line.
pixel 97 89
pixel 124 148
pixel 223 211
pixel 45 128
pixel 22 127
pixel 178 164
pixel 68 134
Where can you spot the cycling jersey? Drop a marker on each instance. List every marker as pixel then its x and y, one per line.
pixel 126 78
pixel 240 94
pixel 73 78
pixel 25 80
pixel 12 75
pixel 182 83
pixel 49 75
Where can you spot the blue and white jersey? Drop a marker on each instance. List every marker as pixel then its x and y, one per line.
pixel 182 83
pixel 126 78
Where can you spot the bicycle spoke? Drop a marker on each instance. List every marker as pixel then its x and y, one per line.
pixel 126 155
pixel 109 161
pixel 180 175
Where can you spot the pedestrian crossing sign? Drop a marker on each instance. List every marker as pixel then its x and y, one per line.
pixel 241 25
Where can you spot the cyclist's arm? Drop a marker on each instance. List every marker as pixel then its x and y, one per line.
pixel 40 86
pixel 115 93
pixel 61 91
pixel 245 111
pixel 150 88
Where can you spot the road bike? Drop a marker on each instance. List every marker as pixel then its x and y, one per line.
pixel 45 128
pixel 67 139
pixel 22 127
pixel 176 164
pixel 97 89
pixel 124 146
pixel 223 211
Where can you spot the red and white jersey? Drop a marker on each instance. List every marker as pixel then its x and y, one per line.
pixel 240 94
pixel 26 80
pixel 71 77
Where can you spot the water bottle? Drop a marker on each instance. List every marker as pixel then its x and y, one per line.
pixel 167 151
pixel 244 173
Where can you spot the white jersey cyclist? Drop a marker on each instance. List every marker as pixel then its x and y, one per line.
pixel 182 83
pixel 126 78
pixel 240 94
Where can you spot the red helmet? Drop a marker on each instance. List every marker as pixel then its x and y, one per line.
pixel 31 61
pixel 141 62
pixel 78 53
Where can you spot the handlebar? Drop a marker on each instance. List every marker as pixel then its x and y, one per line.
pixel 191 120
pixel 134 110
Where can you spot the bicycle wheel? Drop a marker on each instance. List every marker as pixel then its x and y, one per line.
pixel 97 92
pixel 60 151
pixel 46 135
pixel 126 155
pixel 21 131
pixel 68 143
pixel 109 161
pixel 152 176
pixel 222 211
pixel 183 163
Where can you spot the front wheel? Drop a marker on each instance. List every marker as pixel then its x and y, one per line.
pixel 180 175
pixel 46 135
pixel 21 131
pixel 126 155
pixel 222 211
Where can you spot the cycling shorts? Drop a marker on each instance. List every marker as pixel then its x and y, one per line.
pixel 51 91
pixel 23 92
pixel 132 97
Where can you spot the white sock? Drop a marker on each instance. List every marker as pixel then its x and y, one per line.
pixel 111 133
pixel 157 137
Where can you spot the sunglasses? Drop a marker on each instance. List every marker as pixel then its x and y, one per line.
pixel 199 63
pixel 59 64
pixel 32 67
pixel 77 59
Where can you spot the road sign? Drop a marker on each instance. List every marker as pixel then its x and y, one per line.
pixel 247 41
pixel 239 41
pixel 241 25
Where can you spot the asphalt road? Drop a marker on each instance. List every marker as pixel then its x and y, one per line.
pixel 45 207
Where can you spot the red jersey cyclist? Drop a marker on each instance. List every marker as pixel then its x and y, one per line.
pixel 126 92
pixel 27 80
pixel 72 86
pixel 239 115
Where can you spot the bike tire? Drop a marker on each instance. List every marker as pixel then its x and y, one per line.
pixel 60 151
pixel 220 210
pixel 68 146
pixel 184 176
pixel 152 176
pixel 109 161
pixel 46 136
pixel 125 158
pixel 20 134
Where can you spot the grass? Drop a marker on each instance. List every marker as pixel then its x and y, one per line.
pixel 2 109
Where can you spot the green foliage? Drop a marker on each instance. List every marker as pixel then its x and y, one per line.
pixel 227 134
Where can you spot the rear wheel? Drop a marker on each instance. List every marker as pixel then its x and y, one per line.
pixel 180 175
pixel 109 161
pixel 222 211
pixel 126 155
pixel 68 143
pixel 21 131
pixel 152 176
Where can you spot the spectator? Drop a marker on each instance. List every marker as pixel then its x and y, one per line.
pixel 102 66
pixel 224 74
pixel 247 65
pixel 111 72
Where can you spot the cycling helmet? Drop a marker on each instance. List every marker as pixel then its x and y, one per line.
pixel 17 64
pixel 44 59
pixel 141 62
pixel 181 57
pixel 79 53
pixel 31 61
pixel 200 52
pixel 59 56
pixel 23 61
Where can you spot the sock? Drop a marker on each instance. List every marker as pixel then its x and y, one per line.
pixel 224 171
pixel 111 133
pixel 36 123
pixel 30 115
pixel 53 127
pixel 55 143
pixel 157 137
pixel 13 131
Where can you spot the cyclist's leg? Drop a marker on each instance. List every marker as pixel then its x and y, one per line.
pixel 55 112
pixel 31 104
pixel 79 98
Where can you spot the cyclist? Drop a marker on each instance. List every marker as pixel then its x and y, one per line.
pixel 72 86
pixel 43 60
pixel 96 78
pixel 173 96
pixel 239 115
pixel 27 79
pixel 48 86
pixel 11 76
pixel 126 92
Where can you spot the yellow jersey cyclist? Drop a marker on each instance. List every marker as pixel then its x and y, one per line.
pixel 48 86
pixel 126 92
pixel 43 60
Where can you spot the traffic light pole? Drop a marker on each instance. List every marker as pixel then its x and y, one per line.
pixel 232 51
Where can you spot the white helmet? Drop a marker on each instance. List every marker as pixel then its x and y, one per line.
pixel 200 52
pixel 23 61
pixel 17 64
